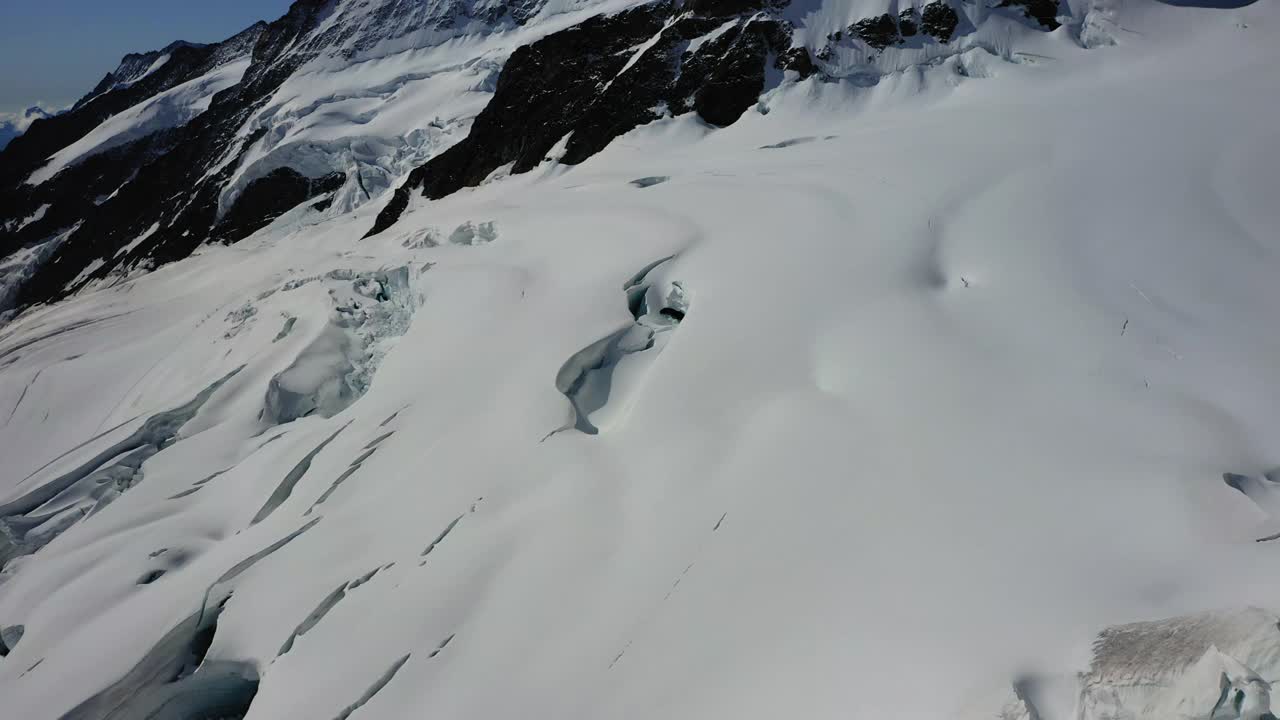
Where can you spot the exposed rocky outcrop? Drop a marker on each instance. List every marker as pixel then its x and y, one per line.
pixel 170 180
pixel 163 194
pixel 135 80
pixel 390 20
pixel 587 85
pixel 1044 12
pixel 908 22
pixel 564 96
pixel 135 66
pixel 726 8
pixel 269 197
pixel 879 32
pixel 939 21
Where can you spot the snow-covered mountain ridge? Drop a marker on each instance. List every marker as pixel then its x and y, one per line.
pixel 619 359
pixel 370 90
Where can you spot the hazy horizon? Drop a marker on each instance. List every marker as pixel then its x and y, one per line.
pixel 55 52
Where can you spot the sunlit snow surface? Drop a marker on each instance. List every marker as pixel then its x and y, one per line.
pixel 171 108
pixel 959 366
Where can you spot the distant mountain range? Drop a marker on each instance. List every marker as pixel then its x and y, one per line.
pixel 13 125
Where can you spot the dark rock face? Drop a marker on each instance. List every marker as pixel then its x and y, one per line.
pixel 586 82
pixel 132 67
pixel 1044 12
pixel 725 8
pixel 939 20
pixel 390 19
pixel 908 22
pixel 583 86
pixel 878 32
pixel 797 60
pixel 48 136
pixel 269 197
pixel 589 83
pixel 162 181
pixel 119 90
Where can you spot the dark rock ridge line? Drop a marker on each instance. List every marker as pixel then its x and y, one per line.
pixel 1044 12
pixel 167 184
pixel 878 32
pixel 588 84
pixel 938 20
pixel 568 94
pixel 119 90
pixel 135 66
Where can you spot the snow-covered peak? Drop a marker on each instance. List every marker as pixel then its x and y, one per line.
pixel 134 67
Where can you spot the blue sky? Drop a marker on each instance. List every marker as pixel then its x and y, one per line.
pixel 54 51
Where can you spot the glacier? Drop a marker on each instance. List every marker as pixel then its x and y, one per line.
pixel 937 384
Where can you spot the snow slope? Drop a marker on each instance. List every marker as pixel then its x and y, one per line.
pixel 881 402
pixel 168 109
